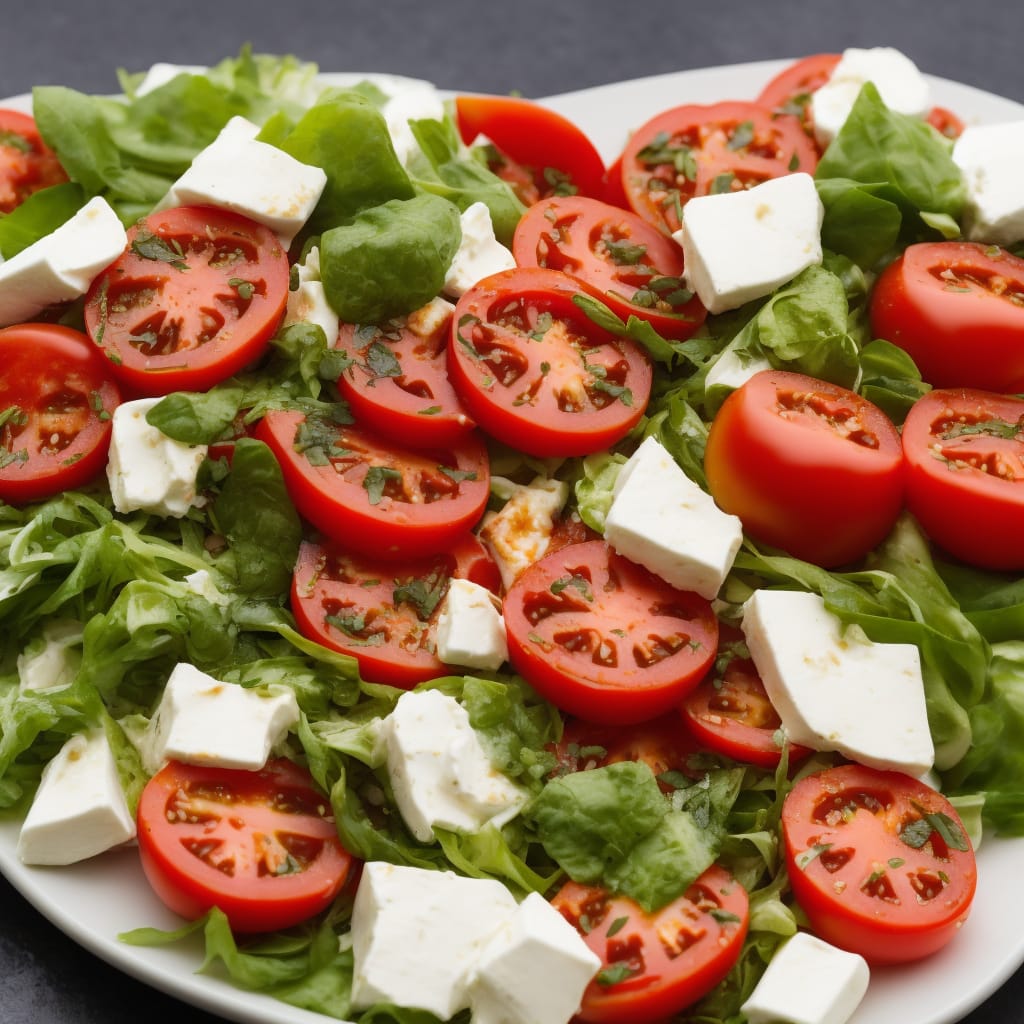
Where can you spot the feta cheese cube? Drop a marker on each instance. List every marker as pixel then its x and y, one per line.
pixel 990 157
pixel 80 809
pixel 662 520
pixel 240 173
pixel 417 935
pixel 147 470
pixel 479 254
pixel 201 720
pixel 440 773
pixel 808 981
pixel 900 84
pixel 739 246
pixel 829 684
pixel 535 968
pixel 470 629
pixel 51 661
pixel 308 303
pixel 60 266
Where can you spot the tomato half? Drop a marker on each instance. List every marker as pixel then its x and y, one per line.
pixel 56 403
pixel 964 452
pixel 605 639
pixel 789 92
pixel 808 466
pixel 699 150
pixel 398 382
pixel 195 297
pixel 631 266
pixel 556 156
pixel 27 164
pixel 382 613
pixel 262 846
pixel 536 373
pixel 373 495
pixel 958 309
pixel 654 965
pixel 879 862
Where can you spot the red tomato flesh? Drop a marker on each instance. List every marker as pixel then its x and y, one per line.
pixel 27 164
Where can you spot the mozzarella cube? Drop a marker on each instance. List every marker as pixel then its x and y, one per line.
pixel 662 520
pixel 731 370
pixel 412 101
pixel 60 266
pixel 900 84
pixel 417 935
pixel 808 981
pixel 308 303
pixel 479 254
pixel 520 532
pixel 160 74
pixel 535 968
pixel 990 157
pixel 470 629
pixel 51 661
pixel 440 774
pixel 147 470
pixel 739 246
pixel 201 720
pixel 431 319
pixel 828 683
pixel 80 809
pixel 240 173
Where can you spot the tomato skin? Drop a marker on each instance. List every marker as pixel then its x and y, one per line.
pixel 581 236
pixel 420 510
pixel 240 810
pixel 167 328
pixel 945 122
pixel 666 982
pixel 790 90
pixel 955 307
pixel 62 385
pixel 27 164
pixel 964 452
pixel 918 898
pixel 808 466
pixel 536 373
pixel 603 638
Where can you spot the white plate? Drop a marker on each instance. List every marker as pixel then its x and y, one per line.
pixel 94 901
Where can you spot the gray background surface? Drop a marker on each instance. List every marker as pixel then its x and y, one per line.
pixel 533 47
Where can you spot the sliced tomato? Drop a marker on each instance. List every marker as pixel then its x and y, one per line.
pixel 958 309
pixel 195 297
pixel 56 403
pixel 397 382
pixel 603 638
pixel 790 91
pixel 261 846
pixel 880 862
pixel 536 373
pixel 656 964
pixel 945 122
pixel 632 267
pixel 964 452
pixel 382 613
pixel 699 150
pixel 27 164
pixel 535 146
pixel 808 466
pixel 374 495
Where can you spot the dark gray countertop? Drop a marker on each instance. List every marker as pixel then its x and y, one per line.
pixel 532 47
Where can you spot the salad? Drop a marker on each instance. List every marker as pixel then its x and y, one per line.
pixel 129 579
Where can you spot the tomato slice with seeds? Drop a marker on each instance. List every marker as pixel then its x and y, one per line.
pixel 789 92
pixel 195 297
pixel 27 164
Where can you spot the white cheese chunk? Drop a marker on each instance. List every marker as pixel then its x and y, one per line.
pixel 662 520
pixel 900 85
pixel 417 935
pixel 80 809
pixel 146 469
pixel 479 254
pixel 990 158
pixel 535 968
pixel 731 370
pixel 739 246
pixel 470 630
pixel 161 73
pixel 60 266
pixel 308 303
pixel 201 720
pixel 240 173
pixel 833 688
pixel 808 981
pixel 440 773
pixel 412 101
pixel 51 660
